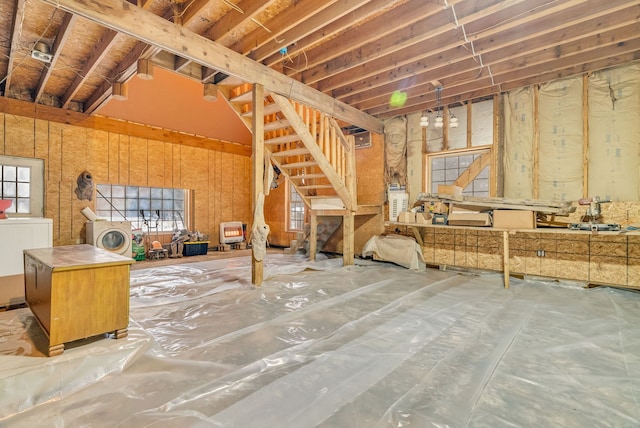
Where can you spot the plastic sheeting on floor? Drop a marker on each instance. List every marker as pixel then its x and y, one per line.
pixel 319 344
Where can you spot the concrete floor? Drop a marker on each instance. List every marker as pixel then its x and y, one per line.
pixel 319 344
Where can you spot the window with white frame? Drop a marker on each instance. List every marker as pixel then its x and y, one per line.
pixel 148 208
pixel 22 182
pixel 296 210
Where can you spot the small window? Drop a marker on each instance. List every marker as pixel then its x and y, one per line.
pixel 148 208
pixel 22 182
pixel 296 210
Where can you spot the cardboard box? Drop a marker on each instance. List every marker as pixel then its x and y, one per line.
pixel 469 218
pixel 423 218
pixel 514 219
pixel 406 217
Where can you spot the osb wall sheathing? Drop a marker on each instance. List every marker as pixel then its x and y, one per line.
pixel 218 180
pixel 600 258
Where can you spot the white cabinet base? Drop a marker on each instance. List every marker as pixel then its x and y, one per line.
pixel 17 235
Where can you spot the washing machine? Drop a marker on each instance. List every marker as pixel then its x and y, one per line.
pixel 114 236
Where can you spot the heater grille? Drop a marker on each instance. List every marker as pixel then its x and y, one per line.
pixel 231 232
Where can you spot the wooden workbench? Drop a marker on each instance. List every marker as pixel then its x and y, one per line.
pixel 76 292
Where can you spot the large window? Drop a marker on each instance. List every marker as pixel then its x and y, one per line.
pixel 446 169
pixel 22 182
pixel 148 208
pixel 296 210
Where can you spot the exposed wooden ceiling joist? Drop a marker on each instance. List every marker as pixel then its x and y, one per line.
pixel 135 22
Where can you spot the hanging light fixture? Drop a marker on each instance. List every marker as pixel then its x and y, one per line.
pixel 439 120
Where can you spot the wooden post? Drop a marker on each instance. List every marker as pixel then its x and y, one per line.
pixel 348 240
pixel 505 253
pixel 257 158
pixel 313 236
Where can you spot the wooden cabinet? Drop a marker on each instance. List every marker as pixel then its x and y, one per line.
pixel 17 235
pixel 602 258
pixel 77 291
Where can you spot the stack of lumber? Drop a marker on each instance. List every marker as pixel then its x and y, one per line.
pixel 480 203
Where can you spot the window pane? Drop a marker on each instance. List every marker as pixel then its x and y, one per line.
pixel 24 174
pixel 8 189
pixel 9 173
pixel 23 190
pixel 12 207
pixel 132 192
pixel 105 189
pixel 117 191
pixel 156 193
pixel 23 205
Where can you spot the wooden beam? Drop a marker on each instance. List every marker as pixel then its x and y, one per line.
pixel 120 16
pixel 16 28
pixel 61 38
pixel 225 27
pixel 53 114
pixel 472 171
pixel 329 20
pixel 348 239
pixel 313 236
pixel 257 174
pixel 97 55
pixel 505 257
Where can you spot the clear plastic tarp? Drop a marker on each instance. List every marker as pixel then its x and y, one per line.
pixel 320 344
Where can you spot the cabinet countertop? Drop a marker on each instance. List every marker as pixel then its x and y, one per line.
pixel 77 256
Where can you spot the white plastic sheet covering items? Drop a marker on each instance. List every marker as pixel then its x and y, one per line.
pixel 371 345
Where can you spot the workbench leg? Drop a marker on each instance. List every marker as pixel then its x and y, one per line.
pixel 505 253
pixel 313 237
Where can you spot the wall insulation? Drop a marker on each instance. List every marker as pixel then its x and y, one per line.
pixel 560 143
pixel 614 134
pixel 553 165
pixel 518 148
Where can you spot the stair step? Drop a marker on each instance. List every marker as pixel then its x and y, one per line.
pixel 244 98
pixel 306 176
pixel 289 138
pixel 315 186
pixel 268 109
pixel 292 152
pixel 299 164
pixel 276 125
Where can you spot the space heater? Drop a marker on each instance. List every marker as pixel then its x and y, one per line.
pixel 398 202
pixel 231 232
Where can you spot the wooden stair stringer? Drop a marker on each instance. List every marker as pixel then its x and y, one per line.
pixel 309 141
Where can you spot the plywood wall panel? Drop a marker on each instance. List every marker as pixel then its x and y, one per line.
pixel 64 214
pixel 155 163
pixel 74 153
pixel 573 266
pixel 41 143
pixel 19 136
pixel 54 172
pixel 113 161
pixel 138 162
pixel 215 195
pixel 98 151
pixel 2 145
pixel 119 159
pixel 226 178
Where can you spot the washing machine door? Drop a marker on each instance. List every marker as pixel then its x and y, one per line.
pixel 114 240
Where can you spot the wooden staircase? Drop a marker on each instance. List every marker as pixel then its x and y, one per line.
pixel 310 149
pixel 307 146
